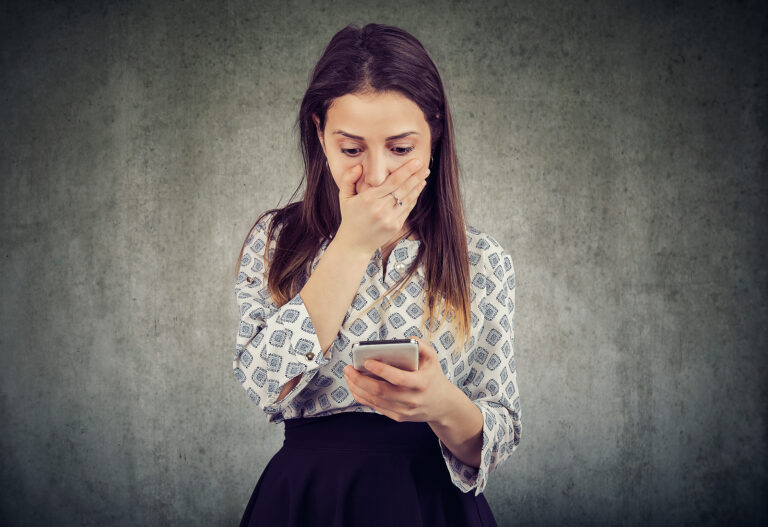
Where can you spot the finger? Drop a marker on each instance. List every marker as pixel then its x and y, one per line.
pixel 426 351
pixel 396 376
pixel 348 180
pixel 397 178
pixel 413 184
pixel 361 394
pixel 412 198
pixel 368 384
pixel 359 377
pixel 363 400
pixel 379 390
pixel 409 190
pixel 389 407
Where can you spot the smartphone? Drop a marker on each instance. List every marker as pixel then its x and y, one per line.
pixel 400 353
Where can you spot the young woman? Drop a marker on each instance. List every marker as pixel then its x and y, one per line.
pixel 377 248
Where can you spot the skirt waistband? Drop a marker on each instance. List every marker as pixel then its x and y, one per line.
pixel 358 432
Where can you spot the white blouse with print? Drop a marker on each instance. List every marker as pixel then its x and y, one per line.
pixel 275 344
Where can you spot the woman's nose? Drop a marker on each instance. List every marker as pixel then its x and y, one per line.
pixel 376 170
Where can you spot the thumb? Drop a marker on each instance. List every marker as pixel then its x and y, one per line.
pixel 426 351
pixel 348 179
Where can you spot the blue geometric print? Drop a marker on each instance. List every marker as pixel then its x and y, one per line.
pixel 414 311
pixel 396 320
pixel 275 344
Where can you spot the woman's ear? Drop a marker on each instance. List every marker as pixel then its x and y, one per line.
pixel 316 119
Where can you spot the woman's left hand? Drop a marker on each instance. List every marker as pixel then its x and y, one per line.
pixel 421 395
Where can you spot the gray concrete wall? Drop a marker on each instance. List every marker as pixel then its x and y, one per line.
pixel 617 150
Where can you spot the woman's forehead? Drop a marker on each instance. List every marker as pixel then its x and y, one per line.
pixel 375 116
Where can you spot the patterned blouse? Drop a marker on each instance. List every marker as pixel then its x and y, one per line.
pixel 275 344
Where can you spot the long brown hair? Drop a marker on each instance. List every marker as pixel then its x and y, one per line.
pixel 377 58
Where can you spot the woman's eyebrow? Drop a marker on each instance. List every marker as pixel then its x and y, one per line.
pixel 390 138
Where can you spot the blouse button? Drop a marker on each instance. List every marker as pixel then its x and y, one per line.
pixel 400 267
pixel 309 355
pixel 249 279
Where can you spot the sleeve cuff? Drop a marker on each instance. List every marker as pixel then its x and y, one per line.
pixel 305 354
pixel 464 476
pixel 292 349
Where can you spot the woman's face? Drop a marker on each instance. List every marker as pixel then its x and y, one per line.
pixel 381 131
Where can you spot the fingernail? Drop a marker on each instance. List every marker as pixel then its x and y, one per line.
pixel 426 172
pixel 418 163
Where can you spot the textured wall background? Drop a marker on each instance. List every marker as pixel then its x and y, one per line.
pixel 617 150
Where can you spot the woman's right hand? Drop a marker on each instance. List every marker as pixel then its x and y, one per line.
pixel 372 218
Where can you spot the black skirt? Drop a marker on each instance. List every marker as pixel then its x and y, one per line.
pixel 354 469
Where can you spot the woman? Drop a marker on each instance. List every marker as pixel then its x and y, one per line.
pixel 377 248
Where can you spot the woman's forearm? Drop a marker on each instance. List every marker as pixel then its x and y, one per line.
pixel 329 292
pixel 331 288
pixel 461 429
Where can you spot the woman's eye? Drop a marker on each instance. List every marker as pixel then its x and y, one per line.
pixel 399 150
pixel 402 150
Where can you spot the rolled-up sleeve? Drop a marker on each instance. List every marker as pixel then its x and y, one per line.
pixel 492 381
pixel 274 344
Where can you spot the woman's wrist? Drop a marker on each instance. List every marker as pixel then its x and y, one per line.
pixel 350 249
